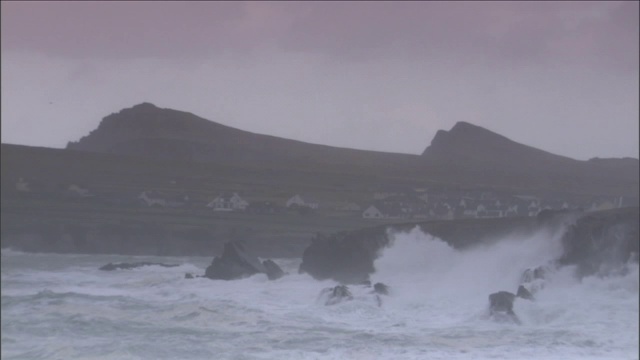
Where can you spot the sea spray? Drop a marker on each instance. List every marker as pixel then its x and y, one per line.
pixel 424 265
pixel 62 306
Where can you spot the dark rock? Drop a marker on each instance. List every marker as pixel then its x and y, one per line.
pixel 188 276
pixel 380 288
pixel 336 294
pixel 538 273
pixel 346 257
pixel 236 263
pixel 602 242
pixel 127 266
pixel 524 293
pixel 501 301
pixel 273 270
pixel 534 279
pixel 501 307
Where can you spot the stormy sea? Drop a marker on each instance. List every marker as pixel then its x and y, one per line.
pixel 63 307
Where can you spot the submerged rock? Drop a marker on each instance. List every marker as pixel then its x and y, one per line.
pixel 335 295
pixel 272 269
pixel 380 288
pixel 128 266
pixel 236 263
pixel 501 301
pixel 524 293
pixel 534 279
pixel 530 275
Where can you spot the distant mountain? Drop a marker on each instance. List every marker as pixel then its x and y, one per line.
pixel 470 142
pixel 466 155
pixel 479 153
pixel 151 132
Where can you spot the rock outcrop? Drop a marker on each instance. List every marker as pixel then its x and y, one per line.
pixel 602 243
pixel 272 269
pixel 346 257
pixel 501 306
pixel 524 293
pixel 380 288
pixel 236 263
pixel 335 295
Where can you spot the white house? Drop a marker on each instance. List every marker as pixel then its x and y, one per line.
pixel 78 191
pixel 152 200
pixel 489 209
pixel 228 202
pixel 602 205
pixel 442 211
pixel 534 208
pixel 372 212
pixel 297 200
pixel 22 186
pixel 511 211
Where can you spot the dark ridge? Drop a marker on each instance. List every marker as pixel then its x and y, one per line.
pixel 150 132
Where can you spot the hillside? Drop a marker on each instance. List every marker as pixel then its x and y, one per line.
pixel 177 154
pixel 467 155
pixel 490 158
pixel 148 131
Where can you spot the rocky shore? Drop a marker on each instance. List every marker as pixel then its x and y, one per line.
pixel 593 242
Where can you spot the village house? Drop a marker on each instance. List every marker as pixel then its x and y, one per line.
pixel 78 191
pixel 384 211
pixel 489 209
pixel 511 211
pixel 372 212
pixel 441 211
pixel 298 201
pixel 22 186
pixel 603 204
pixel 228 202
pixel 151 199
pixel 556 204
pixel 407 206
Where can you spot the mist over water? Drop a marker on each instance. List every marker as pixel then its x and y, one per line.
pixel 63 307
pixel 427 265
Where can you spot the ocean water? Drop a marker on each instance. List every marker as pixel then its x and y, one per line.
pixel 63 307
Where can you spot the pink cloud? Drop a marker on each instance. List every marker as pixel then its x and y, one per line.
pixel 502 32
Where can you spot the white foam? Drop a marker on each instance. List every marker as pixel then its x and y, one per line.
pixel 436 310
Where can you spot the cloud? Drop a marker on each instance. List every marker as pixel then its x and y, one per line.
pixel 511 33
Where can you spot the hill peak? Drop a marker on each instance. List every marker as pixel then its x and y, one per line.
pixel 144 106
pixel 144 120
pixel 464 134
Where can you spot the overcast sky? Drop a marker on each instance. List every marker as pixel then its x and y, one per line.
pixel 560 76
